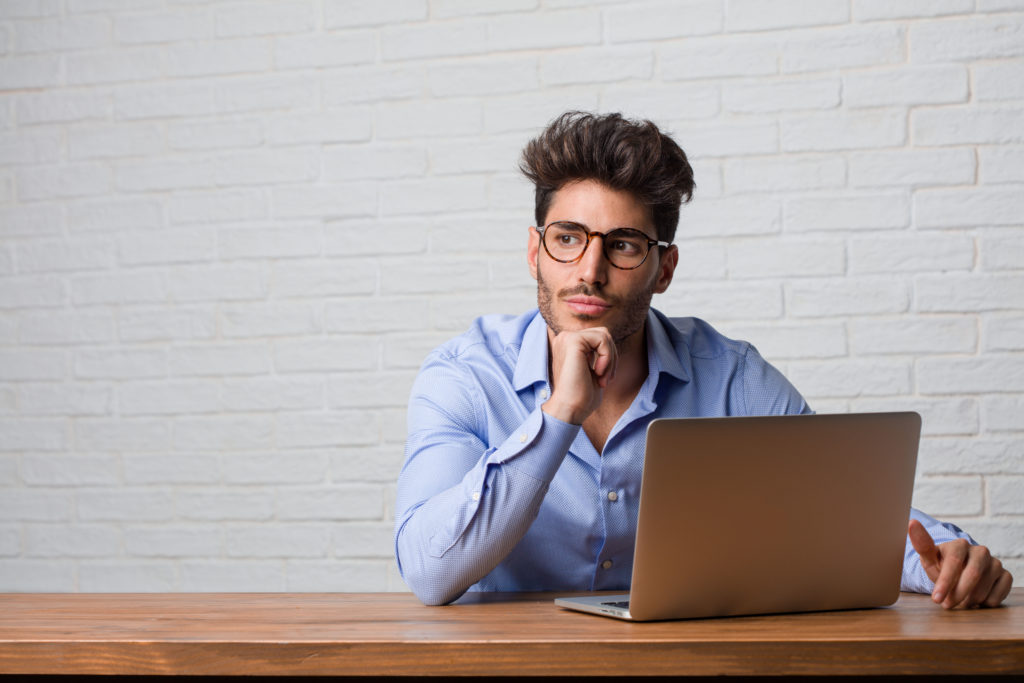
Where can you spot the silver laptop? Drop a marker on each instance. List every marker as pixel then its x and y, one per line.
pixel 758 515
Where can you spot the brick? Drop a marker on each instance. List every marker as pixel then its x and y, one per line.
pixel 910 86
pixel 167 397
pixel 56 35
pixel 279 540
pixel 54 182
pixel 968 207
pixel 218 57
pixel 912 167
pixel 266 167
pixel 336 49
pixel 325 278
pixel 273 394
pixel 167 323
pixel 218 359
pixel 531 111
pixel 9 463
pixel 913 335
pixel 998 5
pixel 265 18
pixel 223 433
pixel 489 155
pixel 270 242
pixel 374 84
pixel 163 27
pixel 1000 165
pixel 970 456
pixel 216 283
pixel 25 9
pixel 23 73
pixel 848 377
pixel 124 505
pixel 939 416
pixel 366 464
pixel 328 201
pixel 356 162
pixel 369 389
pixel 349 124
pixel 702 140
pixel 215 135
pixel 256 94
pixel 119 363
pixel 757 15
pixel 479 77
pixel 32 364
pixel 990 373
pixel 114 66
pixel 276 468
pixel 164 100
pixel 269 320
pixel 949 495
pixel 114 140
pixel 320 354
pixel 375 315
pixel 73 254
pixel 334 503
pixel 966 38
pixel 842 48
pixel 176 541
pixel 123 576
pixel 540 30
pixel 224 505
pixel 34 220
pixel 114 215
pixel 596 65
pixel 344 13
pixel 36 434
pixel 447 9
pixel 1003 80
pixel 719 57
pixel 32 291
pixel 159 175
pixel 796 342
pixel 28 146
pixel 37 576
pixel 957 293
pixel 1003 333
pixel 334 575
pixel 407 350
pixel 847 212
pixel 63 399
pixel 844 130
pixel 401 276
pixel 433 195
pixel 1004 495
pixel 427 40
pixel 160 469
pixel 979 124
pixel 508 192
pixel 767 258
pixel 363 539
pixel 911 253
pixel 875 10
pixel 475 234
pixel 232 576
pixel 674 19
pixel 781 95
pixel 66 327
pixel 10 541
pixel 724 301
pixel 117 288
pixel 73 540
pixel 660 103
pixel 37 505
pixel 427 119
pixel 1002 250
pixel 849 296
pixel 790 173
pixel 167 246
pixel 218 206
pixel 1002 413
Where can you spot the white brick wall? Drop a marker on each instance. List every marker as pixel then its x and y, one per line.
pixel 230 231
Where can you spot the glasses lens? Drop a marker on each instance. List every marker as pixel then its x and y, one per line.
pixel 565 241
pixel 626 248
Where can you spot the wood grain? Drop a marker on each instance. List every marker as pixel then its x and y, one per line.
pixel 393 634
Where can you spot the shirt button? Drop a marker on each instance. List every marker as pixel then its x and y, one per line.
pixel 476 495
pixel 607 564
pixel 612 496
pixel 543 393
pixel 522 438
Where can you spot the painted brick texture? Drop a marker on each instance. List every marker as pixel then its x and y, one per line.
pixel 230 231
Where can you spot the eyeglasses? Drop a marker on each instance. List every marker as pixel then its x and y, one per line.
pixel 625 248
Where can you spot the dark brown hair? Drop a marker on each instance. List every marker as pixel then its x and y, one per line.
pixel 623 154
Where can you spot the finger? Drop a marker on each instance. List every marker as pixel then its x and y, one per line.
pixel 925 547
pixel 1000 590
pixel 953 557
pixel 604 354
pixel 976 578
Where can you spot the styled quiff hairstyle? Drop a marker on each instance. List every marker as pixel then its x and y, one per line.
pixel 623 154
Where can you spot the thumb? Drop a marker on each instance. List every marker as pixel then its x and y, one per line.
pixel 925 547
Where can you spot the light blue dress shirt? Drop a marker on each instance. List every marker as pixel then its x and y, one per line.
pixel 497 495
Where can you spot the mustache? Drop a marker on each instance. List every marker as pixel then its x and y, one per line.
pixel 583 289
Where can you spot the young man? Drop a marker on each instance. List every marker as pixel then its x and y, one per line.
pixel 526 434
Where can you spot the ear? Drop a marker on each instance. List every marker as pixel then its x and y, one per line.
pixel 532 249
pixel 666 267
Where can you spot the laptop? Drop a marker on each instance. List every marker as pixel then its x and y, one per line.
pixel 759 515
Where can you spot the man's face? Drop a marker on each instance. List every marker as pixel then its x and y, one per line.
pixel 591 292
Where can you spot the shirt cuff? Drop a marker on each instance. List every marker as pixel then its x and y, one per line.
pixel 538 447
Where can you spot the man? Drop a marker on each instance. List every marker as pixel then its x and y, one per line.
pixel 526 435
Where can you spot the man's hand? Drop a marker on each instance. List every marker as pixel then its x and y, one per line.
pixel 965 575
pixel 582 364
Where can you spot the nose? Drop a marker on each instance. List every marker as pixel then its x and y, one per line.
pixel 593 266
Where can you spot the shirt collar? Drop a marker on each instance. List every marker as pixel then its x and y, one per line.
pixel 662 354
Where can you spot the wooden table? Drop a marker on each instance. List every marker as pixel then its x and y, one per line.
pixel 382 634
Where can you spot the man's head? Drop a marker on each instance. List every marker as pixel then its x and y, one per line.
pixel 633 156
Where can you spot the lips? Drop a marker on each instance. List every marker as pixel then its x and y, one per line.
pixel 587 305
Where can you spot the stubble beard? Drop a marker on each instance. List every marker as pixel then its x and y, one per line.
pixel 633 311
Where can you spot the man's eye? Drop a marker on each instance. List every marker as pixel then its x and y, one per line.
pixel 625 246
pixel 568 239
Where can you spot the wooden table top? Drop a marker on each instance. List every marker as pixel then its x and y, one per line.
pixel 495 634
